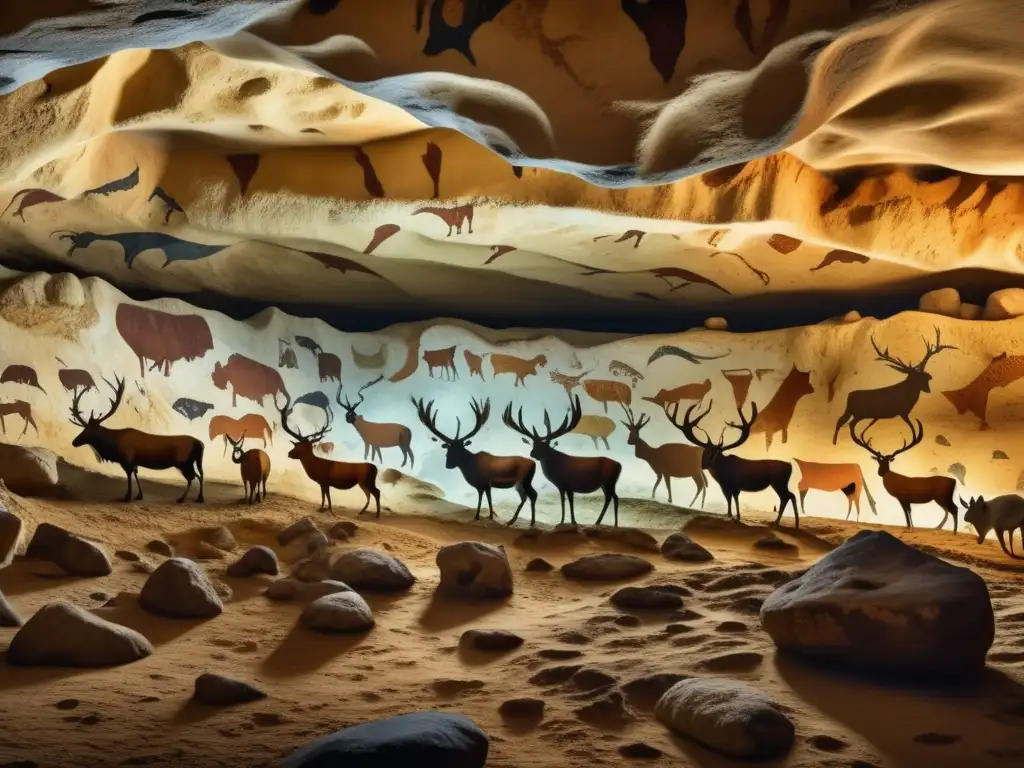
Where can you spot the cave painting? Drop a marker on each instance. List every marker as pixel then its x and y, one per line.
pixel 328 364
pixel 191 409
pixel 667 460
pixel 760 274
pixel 517 366
pixel 777 415
pixel 777 14
pixel 667 274
pixel 316 399
pixel 631 234
pixel 244 167
pixel 171 205
pixel 739 379
pixel 666 397
pixel 518 171
pixel 566 382
pixel 784 244
pixel 895 401
pixel 370 360
pixel 248 379
pixel 497 251
pixel 380 234
pixel 829 478
pixel 123 184
pixel 22 410
pixel 136 243
pixel 370 179
pixel 1001 371
pixel 607 391
pixel 432 162
pixel 162 337
pixel 670 350
pixel 475 364
pixel 443 359
pixel 618 368
pixel 74 378
pixel 596 428
pixel 663 25
pixel 27 198
pixel 286 355
pixel 442 36
pixel 251 426
pixel 412 361
pixel 343 265
pixel 21 374
pixel 841 257
pixel 375 435
pixel 453 217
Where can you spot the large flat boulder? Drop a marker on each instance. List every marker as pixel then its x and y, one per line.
pixel 436 739
pixel 474 569
pixel 606 567
pixel 876 603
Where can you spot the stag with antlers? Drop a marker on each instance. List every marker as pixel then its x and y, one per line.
pixel 734 474
pixel 483 471
pixel 569 474
pixel 912 490
pixel 254 466
pixel 377 435
pixel 668 460
pixel 327 473
pixel 895 401
pixel 131 449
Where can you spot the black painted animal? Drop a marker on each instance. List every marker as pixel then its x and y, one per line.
pixel 169 202
pixel 316 399
pixel 308 344
pixel 191 409
pixel 136 243
pixel 117 185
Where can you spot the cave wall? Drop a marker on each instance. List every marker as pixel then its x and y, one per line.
pixel 55 324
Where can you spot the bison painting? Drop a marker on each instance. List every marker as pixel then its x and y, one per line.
pixel 74 378
pixel 21 374
pixel 162 337
pixel 253 426
pixel 248 379
pixel 607 391
pixel 329 366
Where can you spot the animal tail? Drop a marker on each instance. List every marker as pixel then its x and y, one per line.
pixel 14 199
pixel 38 386
pixel 62 363
pixel 867 492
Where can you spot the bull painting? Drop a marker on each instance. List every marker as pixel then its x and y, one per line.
pixel 248 379
pixel 162 337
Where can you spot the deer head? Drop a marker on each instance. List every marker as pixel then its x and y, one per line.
pixel 93 430
pixel 885 459
pixel 544 444
pixel 634 426
pixel 219 376
pixel 350 408
pixel 712 450
pixel 77 239
pixel 236 448
pixel 978 515
pixel 915 373
pixel 302 445
pixel 455 447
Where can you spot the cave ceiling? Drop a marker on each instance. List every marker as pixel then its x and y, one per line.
pixel 519 159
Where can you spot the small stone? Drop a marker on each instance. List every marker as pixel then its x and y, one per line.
pixel 338 612
pixel 373 571
pixel 646 598
pixel 66 704
pixel 317 567
pixel 256 560
pixel 639 751
pixel 522 709
pixel 296 529
pixel 716 324
pixel 159 547
pixel 679 546
pixel 474 569
pixel 218 690
pixel 179 589
pixel 343 530
pixel 606 567
pixel 314 542
pixel 126 555
pixel 206 551
pixel 539 565
pixel 492 640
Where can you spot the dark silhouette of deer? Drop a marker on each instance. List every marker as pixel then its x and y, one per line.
pixel 895 401
pixel 569 474
pixel 734 474
pixel 377 435
pixel 912 490
pixel 483 471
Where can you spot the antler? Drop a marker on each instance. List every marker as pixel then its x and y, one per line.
pixel 744 427
pixel 236 444
pixel 636 424
pixel 115 401
pixel 350 407
pixel 916 436
pixel 893 362
pixel 568 423
pixel 690 424
pixel 428 416
pixel 930 351
pixel 481 413
pixel 76 413
pixel 518 426
pixel 285 412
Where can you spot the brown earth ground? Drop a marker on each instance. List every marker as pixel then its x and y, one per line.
pixel 140 714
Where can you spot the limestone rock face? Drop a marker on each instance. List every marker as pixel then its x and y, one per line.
pixel 63 635
pixel 180 589
pixel 876 603
pixel 475 569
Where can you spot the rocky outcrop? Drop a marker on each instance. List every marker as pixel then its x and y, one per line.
pixel 64 635
pixel 71 553
pixel 474 569
pixel 180 589
pixel 876 603
pixel 372 570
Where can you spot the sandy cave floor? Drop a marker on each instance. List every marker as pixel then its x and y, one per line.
pixel 140 714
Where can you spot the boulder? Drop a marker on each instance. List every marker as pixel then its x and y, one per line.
pixel 1004 304
pixel 218 690
pixel 160 547
pixel 606 567
pixel 338 612
pixel 179 589
pixel 291 589
pixel 442 739
pixel 647 598
pixel 540 565
pixel 876 603
pixel 716 324
pixel 314 568
pixel 522 709
pixel 729 717
pixel 296 529
pixel 474 569
pixel 372 570
pixel 853 316
pixel 72 554
pixel 490 640
pixel 941 301
pixel 629 537
pixel 257 559
pixel 219 537
pixel 10 535
pixel 28 471
pixel 8 616
pixel 64 635
pixel 679 546
pixel 343 530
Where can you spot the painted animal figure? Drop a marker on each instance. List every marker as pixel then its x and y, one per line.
pixel 517 366
pixel 912 490
pixel 666 397
pixel 482 471
pixel 191 409
pixel 134 244
pixel 170 204
pixel 248 379
pixel 668 460
pixel 895 401
pixel 232 429
pixel 443 359
pixel 254 465
pixel 309 345
pixel 371 361
pixel 131 448
pixel 162 337
pixel 74 378
pixel 328 366
pixel 453 217
pixel 735 474
pixel 607 391
pixel 286 355
pixel 829 478
pixel 326 473
pixel 566 382
pixel 596 428
pixel 316 399
pixel 18 408
pixel 1003 514
pixel 21 374
pixel 122 184
pixel 377 435
pixel 778 414
pixel 619 368
pixel 474 363
pixel 27 198
pixel 569 474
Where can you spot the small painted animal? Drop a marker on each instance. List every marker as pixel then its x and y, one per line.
pixel 596 428
pixel 474 363
pixel 566 382
pixel 667 397
pixel 21 374
pixel 191 409
pixel 308 344
pixel 619 368
pixel 453 217
pixel 517 366
pixel 1002 514
pixel 73 378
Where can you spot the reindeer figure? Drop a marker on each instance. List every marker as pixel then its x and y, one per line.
pixel 734 474
pixel 376 435
pixel 569 474
pixel 912 490
pixel 483 471
pixel 131 448
pixel 895 401
pixel 254 465
pixel 668 460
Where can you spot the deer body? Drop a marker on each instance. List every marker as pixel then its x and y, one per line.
pixel 668 460
pixel 254 465
pixel 377 435
pixel 18 408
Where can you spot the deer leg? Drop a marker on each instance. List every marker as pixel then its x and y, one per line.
pixel 945 517
pixel 607 501
pixel 606 446
pixel 657 482
pixel 264 496
pixel 188 472
pixel 561 494
pixel 522 501
pixel 246 495
pixel 803 498
pixel 490 504
pixel 668 487
pixel 330 507
pixel 1002 543
pixel 839 425
pixel 479 502
pixel 572 508
pixel 532 492
pixel 737 506
pixel 906 513
pixel 128 471
pixel 25 429
pixel 364 489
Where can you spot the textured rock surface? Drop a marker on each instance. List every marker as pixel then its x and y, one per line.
pixel 372 570
pixel 679 546
pixel 73 554
pixel 28 471
pixel 474 569
pixel 338 612
pixel 606 567
pixel 256 560
pixel 180 589
pixel 63 635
